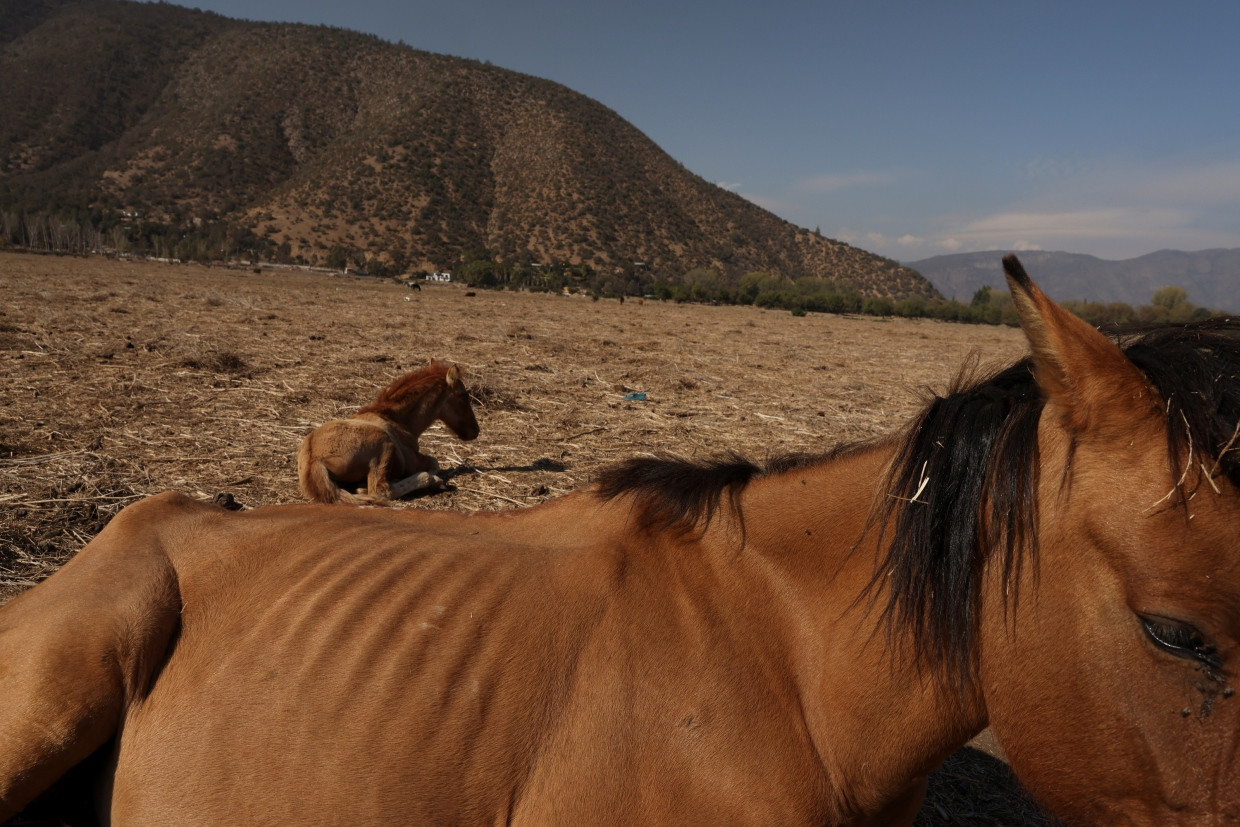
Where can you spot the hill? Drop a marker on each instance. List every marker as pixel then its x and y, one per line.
pixel 198 136
pixel 1211 277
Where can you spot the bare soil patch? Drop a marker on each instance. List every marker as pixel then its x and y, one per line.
pixel 123 379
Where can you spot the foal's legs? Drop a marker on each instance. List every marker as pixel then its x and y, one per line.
pixel 382 465
pixel 420 480
pixel 421 468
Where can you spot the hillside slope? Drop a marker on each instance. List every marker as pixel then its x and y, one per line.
pixel 302 140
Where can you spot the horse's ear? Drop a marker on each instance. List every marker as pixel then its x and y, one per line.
pixel 1083 372
pixel 453 376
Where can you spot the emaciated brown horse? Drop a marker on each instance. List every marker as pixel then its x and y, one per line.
pixel 1051 551
pixel 378 445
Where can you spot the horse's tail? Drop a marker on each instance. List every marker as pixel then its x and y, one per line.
pixel 317 484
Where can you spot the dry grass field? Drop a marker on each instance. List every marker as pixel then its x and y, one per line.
pixel 122 379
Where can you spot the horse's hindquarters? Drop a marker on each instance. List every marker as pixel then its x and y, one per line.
pixel 77 649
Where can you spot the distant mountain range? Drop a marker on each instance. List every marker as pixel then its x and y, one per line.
pixel 1211 277
pixel 308 143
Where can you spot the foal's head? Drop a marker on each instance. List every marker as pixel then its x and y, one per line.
pixel 417 399
pixel 455 408
pixel 1110 683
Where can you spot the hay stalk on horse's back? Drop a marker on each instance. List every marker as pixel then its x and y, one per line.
pixel 1050 551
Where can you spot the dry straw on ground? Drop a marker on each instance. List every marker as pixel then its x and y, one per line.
pixel 123 379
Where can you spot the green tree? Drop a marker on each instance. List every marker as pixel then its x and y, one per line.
pixel 338 257
pixel 702 284
pixel 911 307
pixel 1170 297
pixel 756 282
pixel 479 273
pixel 878 306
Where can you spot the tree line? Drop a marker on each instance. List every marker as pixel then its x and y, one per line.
pixel 801 296
pixel 97 231
pixel 86 232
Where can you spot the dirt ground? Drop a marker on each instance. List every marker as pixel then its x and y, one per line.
pixel 122 379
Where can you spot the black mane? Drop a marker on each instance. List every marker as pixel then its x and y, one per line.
pixel 680 495
pixel 674 494
pixel 967 465
pixel 976 451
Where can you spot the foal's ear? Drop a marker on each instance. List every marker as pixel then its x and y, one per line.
pixel 1079 369
pixel 453 376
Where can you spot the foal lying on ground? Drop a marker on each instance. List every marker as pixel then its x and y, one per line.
pixel 378 445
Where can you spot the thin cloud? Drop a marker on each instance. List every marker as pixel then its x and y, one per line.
pixel 1106 223
pixel 1055 169
pixel 1192 187
pixel 1113 208
pixel 1199 186
pixel 845 181
pixel 1112 232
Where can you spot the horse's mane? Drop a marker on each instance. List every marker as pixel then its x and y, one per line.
pixel 1196 369
pixel 407 388
pixel 674 494
pixel 963 484
pixel 978 448
pixel 679 495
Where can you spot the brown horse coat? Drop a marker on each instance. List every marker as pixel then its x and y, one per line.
pixel 551 666
pixel 378 445
pixel 687 643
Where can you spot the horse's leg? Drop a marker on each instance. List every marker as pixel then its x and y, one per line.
pixel 378 486
pixel 421 468
pixel 420 480
pixel 76 649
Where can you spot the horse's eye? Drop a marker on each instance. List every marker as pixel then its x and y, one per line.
pixel 1174 636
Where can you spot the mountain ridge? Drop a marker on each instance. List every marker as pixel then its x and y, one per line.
pixel 1210 277
pixel 303 142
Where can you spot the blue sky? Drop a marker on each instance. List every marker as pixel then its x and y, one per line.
pixel 910 129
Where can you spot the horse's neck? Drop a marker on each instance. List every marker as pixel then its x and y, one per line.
pixel 416 415
pixel 864 705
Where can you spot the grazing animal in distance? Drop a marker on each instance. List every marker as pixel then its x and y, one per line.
pixel 378 445
pixel 1050 551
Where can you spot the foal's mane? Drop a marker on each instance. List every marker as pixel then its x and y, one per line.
pixel 962 487
pixel 407 389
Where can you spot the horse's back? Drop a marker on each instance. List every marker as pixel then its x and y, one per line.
pixel 338 660
pixel 377 666
pixel 213 638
